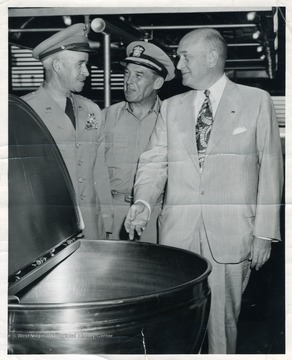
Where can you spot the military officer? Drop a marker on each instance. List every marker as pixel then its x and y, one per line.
pixel 75 123
pixel 128 126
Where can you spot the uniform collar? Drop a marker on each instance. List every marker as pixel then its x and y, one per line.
pixel 56 97
pixel 155 107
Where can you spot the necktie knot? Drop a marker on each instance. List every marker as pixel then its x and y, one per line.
pixel 207 93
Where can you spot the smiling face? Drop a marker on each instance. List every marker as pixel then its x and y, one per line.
pixel 72 70
pixel 140 83
pixel 193 62
pixel 200 60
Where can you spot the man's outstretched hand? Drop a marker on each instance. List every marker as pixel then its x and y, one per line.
pixel 137 218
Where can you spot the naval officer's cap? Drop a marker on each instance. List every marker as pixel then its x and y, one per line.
pixel 72 38
pixel 151 56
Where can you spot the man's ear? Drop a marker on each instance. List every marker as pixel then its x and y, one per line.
pixel 56 65
pixel 212 58
pixel 158 83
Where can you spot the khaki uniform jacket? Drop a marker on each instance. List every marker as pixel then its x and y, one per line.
pixel 238 193
pixel 83 152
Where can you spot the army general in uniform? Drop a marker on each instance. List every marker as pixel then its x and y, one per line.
pixel 75 124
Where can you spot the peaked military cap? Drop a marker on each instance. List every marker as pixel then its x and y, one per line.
pixel 151 56
pixel 72 38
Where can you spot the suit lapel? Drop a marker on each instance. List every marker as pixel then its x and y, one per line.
pixel 226 113
pixel 185 122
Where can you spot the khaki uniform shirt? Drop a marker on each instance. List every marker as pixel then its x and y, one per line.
pixel 83 153
pixel 126 138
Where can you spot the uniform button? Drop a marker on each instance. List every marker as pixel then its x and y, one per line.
pixel 80 180
pixel 77 146
pixel 82 197
pixel 80 162
pixel 202 192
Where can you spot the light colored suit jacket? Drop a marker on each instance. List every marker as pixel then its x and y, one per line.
pixel 238 193
pixel 83 152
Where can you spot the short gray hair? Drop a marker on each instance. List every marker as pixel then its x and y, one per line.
pixel 47 62
pixel 215 39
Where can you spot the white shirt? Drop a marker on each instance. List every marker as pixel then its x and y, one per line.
pixel 216 91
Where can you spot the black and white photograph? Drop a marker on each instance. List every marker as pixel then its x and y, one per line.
pixel 144 179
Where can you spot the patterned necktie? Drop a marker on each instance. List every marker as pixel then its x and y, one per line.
pixel 70 112
pixel 203 127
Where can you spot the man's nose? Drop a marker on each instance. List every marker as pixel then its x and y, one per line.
pixel 180 64
pixel 85 71
pixel 129 79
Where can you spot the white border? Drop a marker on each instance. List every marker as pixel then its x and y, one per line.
pixel 120 5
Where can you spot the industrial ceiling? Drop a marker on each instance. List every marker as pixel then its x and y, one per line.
pixel 255 36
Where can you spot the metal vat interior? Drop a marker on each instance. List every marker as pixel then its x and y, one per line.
pixel 113 270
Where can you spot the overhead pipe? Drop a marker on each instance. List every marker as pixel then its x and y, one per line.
pixel 98 25
pixel 128 35
pixel 182 27
pixel 20 30
pixel 229 45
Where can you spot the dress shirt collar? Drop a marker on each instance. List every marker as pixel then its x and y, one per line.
pixel 216 91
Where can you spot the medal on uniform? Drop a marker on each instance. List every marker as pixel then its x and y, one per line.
pixel 91 123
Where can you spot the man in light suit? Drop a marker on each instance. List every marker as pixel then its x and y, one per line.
pixel 219 151
pixel 75 124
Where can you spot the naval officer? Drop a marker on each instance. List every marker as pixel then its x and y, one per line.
pixel 128 126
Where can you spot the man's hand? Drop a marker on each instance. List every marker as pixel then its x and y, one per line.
pixel 260 252
pixel 137 218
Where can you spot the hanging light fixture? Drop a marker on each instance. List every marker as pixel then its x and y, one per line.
pixel 67 20
pixel 251 15
pixel 256 35
pixel 260 48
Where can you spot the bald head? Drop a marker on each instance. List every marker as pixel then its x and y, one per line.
pixel 202 55
pixel 210 38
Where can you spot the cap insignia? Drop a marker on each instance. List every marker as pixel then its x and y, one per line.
pixel 85 30
pixel 138 51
